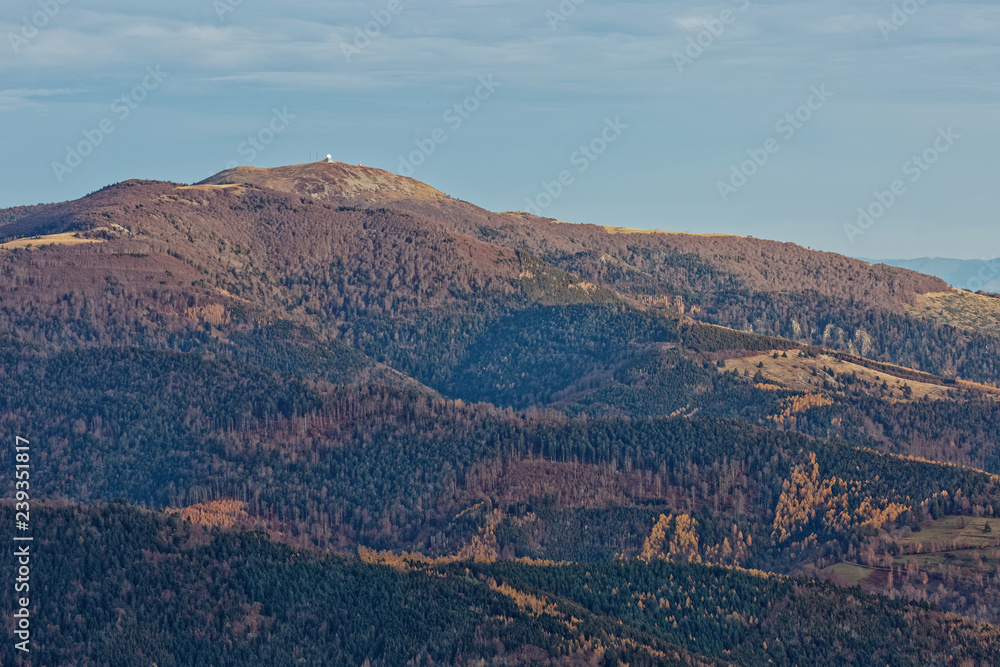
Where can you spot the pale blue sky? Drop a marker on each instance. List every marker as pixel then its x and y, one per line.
pixel 223 75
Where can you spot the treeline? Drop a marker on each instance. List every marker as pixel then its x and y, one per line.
pixel 876 334
pixel 9 215
pixel 706 338
pixel 963 431
pixel 115 585
pixel 542 354
pixel 391 469
pixel 748 619
pixel 288 348
pixel 111 584
pixel 670 382
pixel 892 370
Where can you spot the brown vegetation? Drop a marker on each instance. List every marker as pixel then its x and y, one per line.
pixel 959 308
pixel 820 373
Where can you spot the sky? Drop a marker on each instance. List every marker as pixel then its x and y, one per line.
pixel 865 128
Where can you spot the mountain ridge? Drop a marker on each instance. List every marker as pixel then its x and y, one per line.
pixel 577 428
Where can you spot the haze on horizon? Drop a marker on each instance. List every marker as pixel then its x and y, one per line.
pixel 627 114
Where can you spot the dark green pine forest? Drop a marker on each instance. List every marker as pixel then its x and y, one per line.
pixel 276 423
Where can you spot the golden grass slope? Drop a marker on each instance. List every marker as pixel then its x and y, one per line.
pixel 796 373
pixel 959 309
pixel 331 180
pixel 631 230
pixel 66 238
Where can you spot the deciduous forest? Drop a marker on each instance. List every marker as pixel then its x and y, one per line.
pixel 321 414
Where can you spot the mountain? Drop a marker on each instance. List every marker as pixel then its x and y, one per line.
pixel 336 364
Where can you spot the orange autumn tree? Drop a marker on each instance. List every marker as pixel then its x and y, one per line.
pixel 840 504
pixel 683 547
pixel 801 495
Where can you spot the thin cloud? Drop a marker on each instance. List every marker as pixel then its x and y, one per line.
pixel 17 99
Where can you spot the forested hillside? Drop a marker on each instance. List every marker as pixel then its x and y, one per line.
pixel 130 587
pixel 302 373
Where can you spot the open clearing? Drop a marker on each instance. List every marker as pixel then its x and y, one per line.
pixel 847 574
pixel 948 542
pixel 797 373
pixel 66 238
pixel 960 309
pixel 944 542
pixel 947 529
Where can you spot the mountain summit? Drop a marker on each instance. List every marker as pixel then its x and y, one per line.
pixel 331 181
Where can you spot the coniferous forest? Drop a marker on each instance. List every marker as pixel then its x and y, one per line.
pixel 274 423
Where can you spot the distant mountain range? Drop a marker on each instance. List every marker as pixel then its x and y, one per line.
pixel 970 274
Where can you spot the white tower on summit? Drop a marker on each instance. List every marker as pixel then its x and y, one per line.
pixel 329 158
